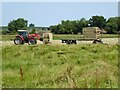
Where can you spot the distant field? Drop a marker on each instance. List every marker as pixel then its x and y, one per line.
pixel 7 37
pixel 60 66
pixel 59 36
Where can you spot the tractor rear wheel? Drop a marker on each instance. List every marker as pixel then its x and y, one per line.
pixel 18 41
pixel 32 41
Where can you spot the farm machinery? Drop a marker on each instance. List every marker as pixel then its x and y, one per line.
pixel 89 34
pixel 24 37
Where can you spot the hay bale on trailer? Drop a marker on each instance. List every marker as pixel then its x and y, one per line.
pixel 92 33
pixel 89 34
pixel 47 38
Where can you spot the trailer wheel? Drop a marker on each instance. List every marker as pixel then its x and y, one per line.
pixel 45 41
pixel 18 41
pixel 68 42
pixel 97 42
pixel 74 42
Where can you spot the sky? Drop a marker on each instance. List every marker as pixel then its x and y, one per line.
pixel 45 14
pixel 60 0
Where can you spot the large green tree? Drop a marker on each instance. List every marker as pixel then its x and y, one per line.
pixel 67 27
pixel 98 21
pixel 82 23
pixel 118 23
pixel 55 29
pixel 112 25
pixel 15 25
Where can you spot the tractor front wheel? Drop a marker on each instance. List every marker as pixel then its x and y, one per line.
pixel 32 41
pixel 18 41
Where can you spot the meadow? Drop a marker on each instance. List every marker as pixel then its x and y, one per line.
pixel 60 66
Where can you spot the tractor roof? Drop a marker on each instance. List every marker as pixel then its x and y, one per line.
pixel 22 30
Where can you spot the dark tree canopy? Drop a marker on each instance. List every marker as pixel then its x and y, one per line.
pixel 15 25
pixel 118 23
pixel 113 25
pixel 97 21
pixel 69 27
pixel 31 25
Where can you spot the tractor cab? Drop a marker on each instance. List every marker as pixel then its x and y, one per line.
pixel 23 33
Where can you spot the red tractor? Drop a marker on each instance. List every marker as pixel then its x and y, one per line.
pixel 24 37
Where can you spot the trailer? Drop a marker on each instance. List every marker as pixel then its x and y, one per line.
pixel 89 34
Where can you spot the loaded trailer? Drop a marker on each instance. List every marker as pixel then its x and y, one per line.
pixel 89 34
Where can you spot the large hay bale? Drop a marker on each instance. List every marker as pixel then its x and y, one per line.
pixel 47 37
pixel 91 33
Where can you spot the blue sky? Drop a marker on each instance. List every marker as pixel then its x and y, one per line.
pixel 51 13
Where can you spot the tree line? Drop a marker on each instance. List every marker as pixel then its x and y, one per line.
pixel 111 26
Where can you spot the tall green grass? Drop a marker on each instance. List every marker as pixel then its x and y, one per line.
pixel 60 66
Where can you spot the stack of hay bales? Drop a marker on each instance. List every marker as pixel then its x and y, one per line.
pixel 91 33
pixel 47 38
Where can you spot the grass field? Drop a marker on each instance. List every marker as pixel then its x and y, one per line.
pixel 59 36
pixel 60 66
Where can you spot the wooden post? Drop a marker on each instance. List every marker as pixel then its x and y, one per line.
pixel 97 82
pixel 21 73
